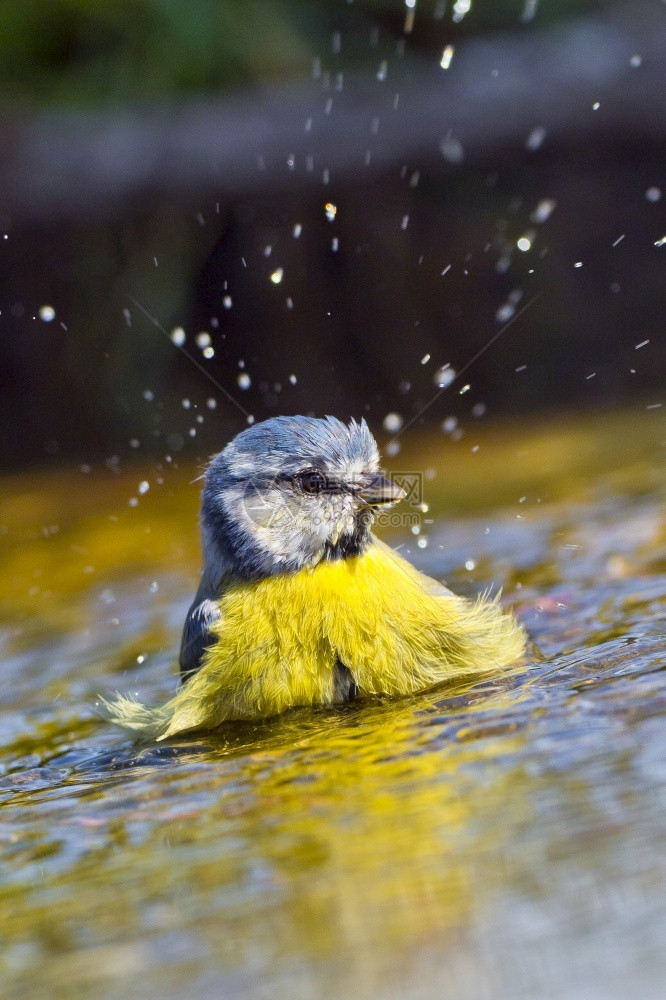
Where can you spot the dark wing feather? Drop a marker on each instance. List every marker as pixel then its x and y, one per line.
pixel 197 635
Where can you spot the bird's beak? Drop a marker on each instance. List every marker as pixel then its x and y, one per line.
pixel 377 490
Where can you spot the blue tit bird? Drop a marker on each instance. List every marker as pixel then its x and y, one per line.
pixel 299 603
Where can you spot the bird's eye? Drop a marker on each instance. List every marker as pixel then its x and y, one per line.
pixel 312 481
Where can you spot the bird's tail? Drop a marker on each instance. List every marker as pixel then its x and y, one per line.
pixel 149 723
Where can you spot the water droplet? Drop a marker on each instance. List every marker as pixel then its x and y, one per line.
pixel 444 376
pixel 470 564
pixel 202 339
pixel 208 353
pixel 635 61
pixel 460 8
pixel 543 210
pixel 449 424
pixel 392 423
pixel 529 10
pixel 186 404
pixel 298 229
pixel 505 313
pixel 652 194
pixel 148 395
pixel 211 403
pixel 535 138
pixel 452 150
pixel 277 275
pixel 293 380
pixel 244 381
pixel 178 336
pixel 331 210
pixel 143 486
pixel 447 56
pixel 425 359
pixel 524 243
pixel 46 313
pixel 227 302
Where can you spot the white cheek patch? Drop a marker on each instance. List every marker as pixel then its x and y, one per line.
pixel 265 508
pixel 289 526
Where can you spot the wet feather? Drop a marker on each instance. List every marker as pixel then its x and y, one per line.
pixel 278 641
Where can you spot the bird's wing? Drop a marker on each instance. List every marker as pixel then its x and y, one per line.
pixel 196 634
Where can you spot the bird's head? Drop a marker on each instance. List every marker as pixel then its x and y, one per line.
pixel 290 492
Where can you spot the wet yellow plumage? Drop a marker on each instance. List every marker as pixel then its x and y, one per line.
pixel 278 640
pixel 298 603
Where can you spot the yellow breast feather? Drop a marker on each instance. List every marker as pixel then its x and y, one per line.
pixel 278 641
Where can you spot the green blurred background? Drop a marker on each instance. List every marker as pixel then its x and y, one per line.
pixel 177 158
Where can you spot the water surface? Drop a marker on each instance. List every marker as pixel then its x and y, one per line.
pixel 503 839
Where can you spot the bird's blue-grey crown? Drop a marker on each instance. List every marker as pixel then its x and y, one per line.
pixel 288 493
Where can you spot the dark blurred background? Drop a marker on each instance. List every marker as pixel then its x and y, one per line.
pixel 321 195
